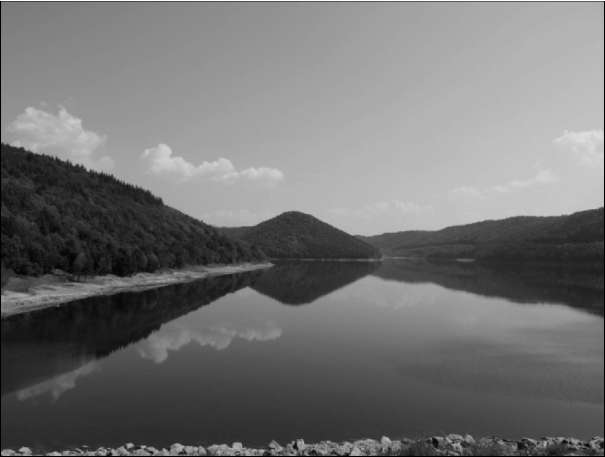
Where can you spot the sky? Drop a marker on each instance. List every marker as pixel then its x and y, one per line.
pixel 372 117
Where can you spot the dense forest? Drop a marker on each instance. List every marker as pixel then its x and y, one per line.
pixel 575 237
pixel 296 235
pixel 56 215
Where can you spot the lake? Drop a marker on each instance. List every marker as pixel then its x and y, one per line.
pixel 318 350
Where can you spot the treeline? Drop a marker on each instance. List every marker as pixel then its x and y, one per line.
pixel 575 237
pixel 56 215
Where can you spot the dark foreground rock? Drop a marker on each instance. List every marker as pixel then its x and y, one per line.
pixel 450 445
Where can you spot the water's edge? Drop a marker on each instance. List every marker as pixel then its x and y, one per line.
pixel 55 294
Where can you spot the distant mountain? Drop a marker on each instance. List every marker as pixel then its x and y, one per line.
pixel 578 236
pixel 59 215
pixel 294 235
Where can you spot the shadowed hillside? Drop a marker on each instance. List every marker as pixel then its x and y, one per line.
pixel 59 215
pixel 576 237
pixel 294 235
pixel 299 283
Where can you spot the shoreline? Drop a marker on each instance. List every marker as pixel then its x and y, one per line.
pixel 435 445
pixel 59 290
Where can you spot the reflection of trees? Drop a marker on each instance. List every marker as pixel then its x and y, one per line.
pixel 573 285
pixel 299 283
pixel 45 343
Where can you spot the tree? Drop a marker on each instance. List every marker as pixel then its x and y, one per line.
pixel 79 264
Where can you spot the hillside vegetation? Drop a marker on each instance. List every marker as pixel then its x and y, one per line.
pixel 574 237
pixel 297 235
pixel 56 215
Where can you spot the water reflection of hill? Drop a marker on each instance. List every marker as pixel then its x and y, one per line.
pixel 299 283
pixel 572 285
pixel 53 341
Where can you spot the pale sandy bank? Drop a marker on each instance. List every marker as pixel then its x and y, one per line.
pixel 54 291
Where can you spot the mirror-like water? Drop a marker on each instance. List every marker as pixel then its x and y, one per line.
pixel 316 350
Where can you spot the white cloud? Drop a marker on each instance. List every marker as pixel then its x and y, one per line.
pixel 466 192
pixel 161 161
pixel 61 135
pixel 542 177
pixel 372 210
pixel 586 145
pixel 219 337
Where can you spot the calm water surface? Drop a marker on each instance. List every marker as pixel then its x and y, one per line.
pixel 316 350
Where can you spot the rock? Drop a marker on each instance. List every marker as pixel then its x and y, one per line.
pixel 527 443
pixel 356 451
pixel 596 443
pixel 275 445
pixel 468 440
pixel 299 445
pixel 385 441
pixel 7 452
pixel 454 438
pixel 177 448
pixel 344 449
pixel 457 448
pixel 55 453
pixel 122 451
pixel 129 446
pixel 25 451
pixel 438 442
pixel 237 446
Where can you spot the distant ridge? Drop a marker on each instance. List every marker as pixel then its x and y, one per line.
pixel 574 237
pixel 296 235
pixel 56 215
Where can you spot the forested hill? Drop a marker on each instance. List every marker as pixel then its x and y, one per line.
pixel 577 236
pixel 297 235
pixel 56 215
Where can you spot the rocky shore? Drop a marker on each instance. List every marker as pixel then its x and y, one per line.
pixel 450 445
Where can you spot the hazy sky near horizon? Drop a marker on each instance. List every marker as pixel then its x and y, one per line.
pixel 372 117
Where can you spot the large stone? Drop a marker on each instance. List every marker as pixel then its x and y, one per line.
pixel 25 451
pixel 129 446
pixel 300 445
pixel 455 438
pixel 177 448
pixel 438 442
pixel 356 452
pixel 468 440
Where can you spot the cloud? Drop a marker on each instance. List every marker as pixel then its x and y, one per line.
pixel 542 177
pixel 160 160
pixel 58 385
pixel 586 145
pixel 372 210
pixel 173 338
pixel 61 135
pixel 466 192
